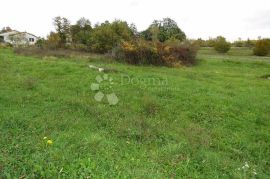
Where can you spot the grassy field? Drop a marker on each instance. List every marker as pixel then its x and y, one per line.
pixel 207 121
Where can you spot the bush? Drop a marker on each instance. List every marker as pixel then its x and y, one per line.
pixel 262 47
pixel 221 45
pixel 171 53
pixel 53 41
pixel 137 52
pixel 40 43
pixel 177 53
pixel 79 47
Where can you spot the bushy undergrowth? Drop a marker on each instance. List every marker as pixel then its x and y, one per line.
pixel 171 53
pixel 5 45
pixel 60 53
pixel 262 47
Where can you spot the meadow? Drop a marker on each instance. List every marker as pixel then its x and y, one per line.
pixel 210 120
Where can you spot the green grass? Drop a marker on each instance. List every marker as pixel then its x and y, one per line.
pixel 204 121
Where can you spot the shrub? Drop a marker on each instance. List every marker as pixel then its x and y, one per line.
pixel 41 43
pixel 5 45
pixel 53 41
pixel 262 47
pixel 250 43
pixel 79 47
pixel 171 53
pixel 176 53
pixel 210 42
pixel 221 45
pixel 137 52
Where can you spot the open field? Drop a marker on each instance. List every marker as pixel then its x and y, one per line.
pixel 207 121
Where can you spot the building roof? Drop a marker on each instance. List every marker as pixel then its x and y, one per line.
pixel 14 32
pixel 9 33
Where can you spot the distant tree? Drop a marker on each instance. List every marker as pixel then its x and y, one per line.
pixel 147 35
pixel 163 30
pixel 250 43
pixel 41 43
pixel 201 43
pixel 210 42
pixel 84 23
pixel 66 30
pixel 221 45
pixel 239 43
pixel 156 34
pixel 5 29
pixel 62 26
pixel 108 35
pixel 53 41
pixel 134 30
pixel 81 31
pixel 58 24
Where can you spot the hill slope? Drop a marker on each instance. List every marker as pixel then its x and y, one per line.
pixel 207 121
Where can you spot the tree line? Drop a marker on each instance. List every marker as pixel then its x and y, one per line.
pixel 112 37
pixel 103 37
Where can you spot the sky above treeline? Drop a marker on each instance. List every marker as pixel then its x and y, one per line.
pixel 197 18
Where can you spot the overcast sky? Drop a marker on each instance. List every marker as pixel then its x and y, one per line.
pixel 197 18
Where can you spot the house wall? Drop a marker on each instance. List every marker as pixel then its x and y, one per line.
pixel 25 38
pixel 6 36
pixel 29 36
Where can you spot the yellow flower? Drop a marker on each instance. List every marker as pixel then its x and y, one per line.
pixel 44 138
pixel 49 142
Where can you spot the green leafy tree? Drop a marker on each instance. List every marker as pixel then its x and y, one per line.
pixel 134 30
pixel 108 35
pixel 62 26
pixel 163 30
pixel 41 43
pixel 81 31
pixel 53 41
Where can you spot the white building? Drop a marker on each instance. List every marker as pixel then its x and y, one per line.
pixel 18 38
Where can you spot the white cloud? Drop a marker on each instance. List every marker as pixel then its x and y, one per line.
pixel 230 18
